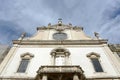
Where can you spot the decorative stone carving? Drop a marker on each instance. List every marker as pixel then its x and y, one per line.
pixel 60 50
pixel 44 77
pixel 60 69
pixel 77 28
pixel 75 77
pixel 22 36
pixel 93 54
pixel 49 24
pixel 27 55
pixel 42 28
pixel 61 73
pixel 97 35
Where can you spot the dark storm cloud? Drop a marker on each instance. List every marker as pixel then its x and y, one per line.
pixel 9 31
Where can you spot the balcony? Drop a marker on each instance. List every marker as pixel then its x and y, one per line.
pixel 60 72
pixel 60 69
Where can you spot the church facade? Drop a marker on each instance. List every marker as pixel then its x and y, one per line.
pixel 60 52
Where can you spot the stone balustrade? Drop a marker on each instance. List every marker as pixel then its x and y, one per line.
pixel 60 69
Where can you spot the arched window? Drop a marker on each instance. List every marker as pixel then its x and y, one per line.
pixel 95 61
pixel 60 56
pixel 25 59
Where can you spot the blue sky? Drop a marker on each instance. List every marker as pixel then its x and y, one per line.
pixel 18 16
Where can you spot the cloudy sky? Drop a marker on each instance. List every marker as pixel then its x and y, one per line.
pixel 18 16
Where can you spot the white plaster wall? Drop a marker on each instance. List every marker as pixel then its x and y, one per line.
pixel 78 57
pixel 42 57
pixel 69 35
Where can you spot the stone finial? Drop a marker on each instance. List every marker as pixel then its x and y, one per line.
pixel 49 24
pixel 22 35
pixel 96 35
pixel 70 24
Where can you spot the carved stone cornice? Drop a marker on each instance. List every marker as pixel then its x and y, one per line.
pixel 60 42
pixel 60 50
pixel 114 47
pixel 60 69
pixel 60 27
pixel 103 78
pixel 61 72
pixel 17 78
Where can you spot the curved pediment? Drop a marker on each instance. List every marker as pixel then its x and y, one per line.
pixel 47 32
pixel 61 32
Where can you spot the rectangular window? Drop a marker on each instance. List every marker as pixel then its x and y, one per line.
pixel 60 60
pixel 97 65
pixel 23 65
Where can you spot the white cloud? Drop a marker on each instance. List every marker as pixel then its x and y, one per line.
pixel 95 15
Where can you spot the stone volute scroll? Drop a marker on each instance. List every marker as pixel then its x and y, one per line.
pixel 27 55
pixel 93 55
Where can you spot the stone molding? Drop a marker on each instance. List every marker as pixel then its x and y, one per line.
pixel 60 25
pixel 60 50
pixel 27 55
pixel 60 42
pixel 90 55
pixel 114 47
pixel 103 78
pixel 2 78
pixel 60 69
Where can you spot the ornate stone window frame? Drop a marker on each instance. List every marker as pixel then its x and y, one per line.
pixel 60 51
pixel 24 57
pixel 60 36
pixel 95 56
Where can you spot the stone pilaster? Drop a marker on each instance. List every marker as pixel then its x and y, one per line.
pixel 44 77
pixel 75 77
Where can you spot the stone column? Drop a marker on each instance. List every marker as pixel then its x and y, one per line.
pixel 38 78
pixel 44 77
pixel 66 58
pixel 82 77
pixel 53 58
pixel 75 77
